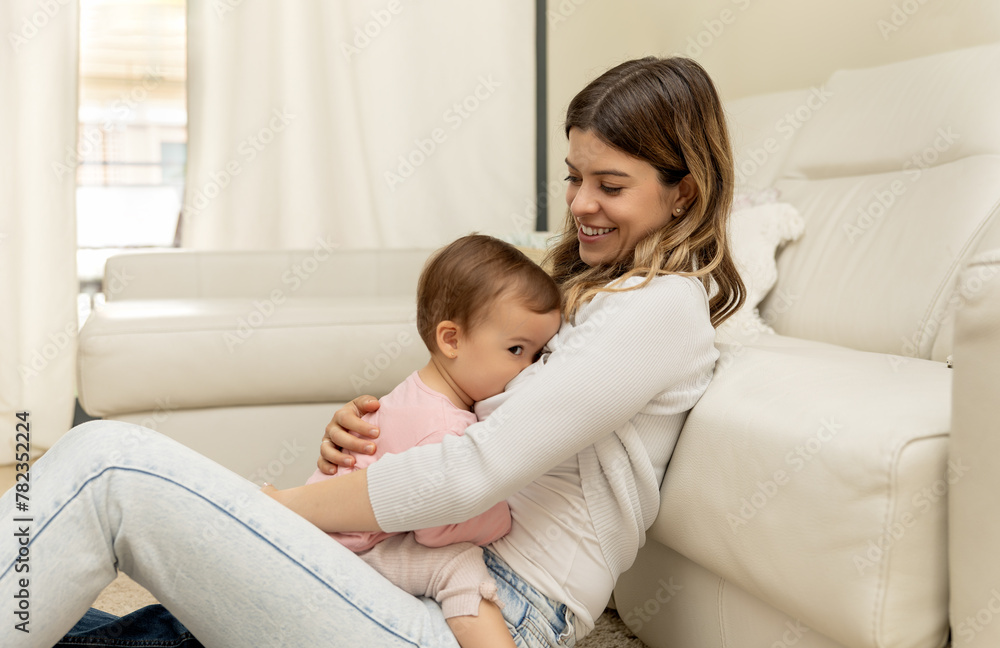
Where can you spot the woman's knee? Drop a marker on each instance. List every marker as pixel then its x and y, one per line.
pixel 109 428
pixel 107 439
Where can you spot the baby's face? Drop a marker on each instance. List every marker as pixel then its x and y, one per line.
pixel 500 346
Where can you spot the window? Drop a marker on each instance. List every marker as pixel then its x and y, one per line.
pixel 133 129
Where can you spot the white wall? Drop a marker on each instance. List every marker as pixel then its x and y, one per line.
pixel 748 46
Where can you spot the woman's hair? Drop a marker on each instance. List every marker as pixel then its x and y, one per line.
pixel 667 113
pixel 461 281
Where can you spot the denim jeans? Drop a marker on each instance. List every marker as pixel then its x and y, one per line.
pixel 532 618
pixel 151 626
pixel 232 565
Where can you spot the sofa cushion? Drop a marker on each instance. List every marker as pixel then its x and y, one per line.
pixel 895 176
pixel 877 267
pixel 324 271
pixel 137 355
pixel 815 478
pixel 762 129
pixel 913 114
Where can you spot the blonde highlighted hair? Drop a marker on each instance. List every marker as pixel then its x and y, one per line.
pixel 667 113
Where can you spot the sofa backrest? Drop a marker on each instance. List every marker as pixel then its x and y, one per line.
pixel 896 172
pixel 324 272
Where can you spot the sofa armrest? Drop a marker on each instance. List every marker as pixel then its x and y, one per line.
pixel 809 476
pixel 199 329
pixel 973 515
pixel 322 272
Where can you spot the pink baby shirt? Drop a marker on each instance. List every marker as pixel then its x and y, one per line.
pixel 413 414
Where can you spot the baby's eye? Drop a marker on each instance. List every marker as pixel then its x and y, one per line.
pixel 516 350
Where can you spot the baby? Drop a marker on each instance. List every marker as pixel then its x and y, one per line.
pixel 485 311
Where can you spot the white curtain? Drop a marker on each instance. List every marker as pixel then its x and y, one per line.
pixel 366 123
pixel 38 284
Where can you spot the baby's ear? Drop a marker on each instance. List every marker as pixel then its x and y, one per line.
pixel 447 335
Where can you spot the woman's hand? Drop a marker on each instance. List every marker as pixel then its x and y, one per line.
pixel 269 489
pixel 338 435
pixel 272 492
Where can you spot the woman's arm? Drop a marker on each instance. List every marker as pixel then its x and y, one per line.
pixel 625 350
pixel 313 502
pixel 353 509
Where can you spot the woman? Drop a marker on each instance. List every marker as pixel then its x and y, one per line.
pixel 578 448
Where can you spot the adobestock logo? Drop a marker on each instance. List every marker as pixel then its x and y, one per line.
pixel 33 24
pixel 898 17
pixel 562 12
pixel 381 361
pixel 796 460
pixel 160 414
pixel 248 150
pixel 793 634
pixel 426 147
pixel 294 277
pixel 526 220
pixel 751 159
pixel 970 627
pixel 640 615
pixel 290 451
pixel 884 198
pixel 372 29
pixel 224 7
pixel 749 332
pixel 41 357
pixel 713 29
pixel 971 282
pixel 94 138
pixel 127 102
pixel 921 502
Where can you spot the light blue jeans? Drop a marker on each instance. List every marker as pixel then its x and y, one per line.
pixel 234 566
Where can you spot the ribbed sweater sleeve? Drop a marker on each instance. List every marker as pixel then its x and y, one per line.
pixel 624 350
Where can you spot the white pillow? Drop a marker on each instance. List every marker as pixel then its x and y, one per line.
pixel 757 229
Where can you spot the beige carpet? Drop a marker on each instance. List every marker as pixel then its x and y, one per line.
pixel 125 595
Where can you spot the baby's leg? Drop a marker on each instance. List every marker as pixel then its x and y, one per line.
pixel 485 630
pixel 455 576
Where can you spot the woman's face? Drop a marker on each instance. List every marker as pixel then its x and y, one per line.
pixel 615 199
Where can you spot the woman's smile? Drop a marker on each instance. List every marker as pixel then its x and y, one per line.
pixel 592 234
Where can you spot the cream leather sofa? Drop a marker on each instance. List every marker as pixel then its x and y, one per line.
pixel 245 356
pixel 835 486
pixel 828 490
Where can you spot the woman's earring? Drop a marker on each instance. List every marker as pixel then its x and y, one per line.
pixel 678 211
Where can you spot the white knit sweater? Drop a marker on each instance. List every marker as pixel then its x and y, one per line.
pixel 614 391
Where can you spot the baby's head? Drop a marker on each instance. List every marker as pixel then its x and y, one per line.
pixel 485 311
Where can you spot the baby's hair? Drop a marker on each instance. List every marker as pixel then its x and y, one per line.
pixel 463 279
